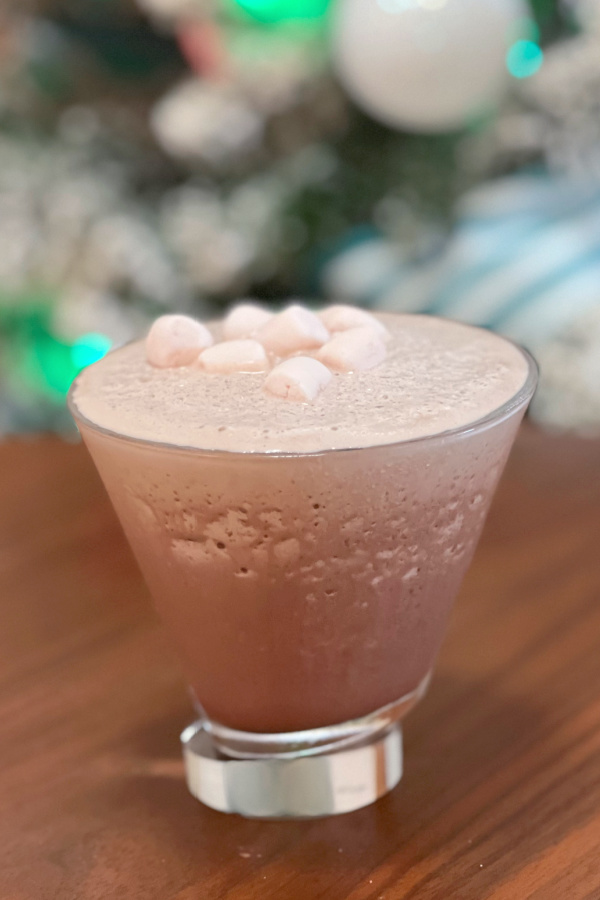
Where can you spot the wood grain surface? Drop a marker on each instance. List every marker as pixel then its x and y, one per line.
pixel 501 794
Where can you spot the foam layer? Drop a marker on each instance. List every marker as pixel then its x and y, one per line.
pixel 438 375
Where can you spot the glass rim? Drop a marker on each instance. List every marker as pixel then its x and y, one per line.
pixel 520 398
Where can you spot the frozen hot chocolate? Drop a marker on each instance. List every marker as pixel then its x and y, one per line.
pixel 304 543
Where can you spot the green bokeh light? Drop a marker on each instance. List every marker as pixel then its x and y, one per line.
pixel 273 11
pixel 524 59
pixel 35 362
pixel 88 349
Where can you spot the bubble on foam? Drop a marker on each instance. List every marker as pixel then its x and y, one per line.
pixel 353 526
pixel 412 573
pixel 387 554
pixel 448 530
pixel 192 552
pixel 273 519
pixel 231 527
pixel 190 521
pixel 454 553
pixel 287 552
pixel 245 573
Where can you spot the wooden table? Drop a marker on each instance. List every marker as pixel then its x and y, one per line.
pixel 501 794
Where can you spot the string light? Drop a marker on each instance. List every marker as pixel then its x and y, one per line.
pixel 524 58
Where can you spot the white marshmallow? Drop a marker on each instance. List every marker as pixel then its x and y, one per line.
pixel 300 378
pixel 175 341
pixel 244 320
pixel 294 329
pixel 355 350
pixel 234 356
pixel 342 318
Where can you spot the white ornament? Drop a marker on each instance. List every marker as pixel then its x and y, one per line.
pixel 569 392
pixel 174 9
pixel 208 121
pixel 425 65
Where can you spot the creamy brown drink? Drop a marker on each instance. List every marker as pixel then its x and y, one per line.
pixel 309 586
pixel 305 556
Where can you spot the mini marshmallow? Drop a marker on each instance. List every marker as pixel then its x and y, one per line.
pixel 300 378
pixel 234 356
pixel 175 341
pixel 294 329
pixel 355 350
pixel 244 320
pixel 342 318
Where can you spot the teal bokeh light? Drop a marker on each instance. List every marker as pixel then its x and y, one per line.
pixel 88 349
pixel 524 58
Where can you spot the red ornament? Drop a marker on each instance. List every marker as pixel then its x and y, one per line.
pixel 203 47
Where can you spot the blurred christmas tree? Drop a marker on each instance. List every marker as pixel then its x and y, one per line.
pixel 181 153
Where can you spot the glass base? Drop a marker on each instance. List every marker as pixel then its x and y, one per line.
pixel 300 788
pixel 321 772
pixel 292 744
